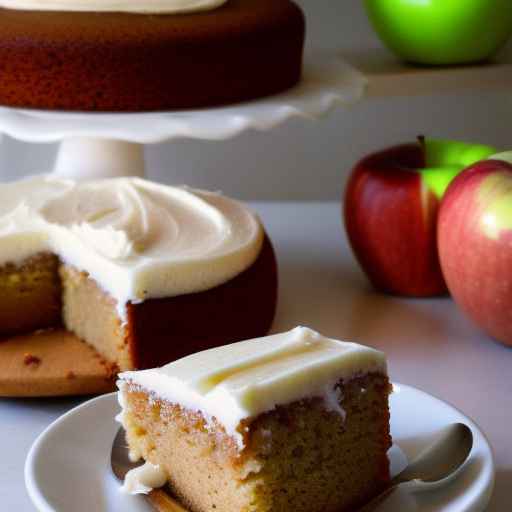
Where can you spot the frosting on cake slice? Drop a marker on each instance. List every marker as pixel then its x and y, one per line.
pixel 243 380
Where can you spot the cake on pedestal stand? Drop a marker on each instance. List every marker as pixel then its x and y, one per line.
pixel 101 145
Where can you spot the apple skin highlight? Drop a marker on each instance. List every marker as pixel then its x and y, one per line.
pixel 475 245
pixel 390 218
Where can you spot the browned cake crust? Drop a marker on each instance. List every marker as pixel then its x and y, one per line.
pixel 133 62
pixel 163 330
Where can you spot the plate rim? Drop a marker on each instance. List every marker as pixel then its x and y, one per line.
pixel 42 505
pixel 34 493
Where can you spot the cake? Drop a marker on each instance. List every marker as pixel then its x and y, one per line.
pixel 293 422
pixel 144 273
pixel 125 55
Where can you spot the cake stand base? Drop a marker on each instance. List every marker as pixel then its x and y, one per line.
pixel 51 363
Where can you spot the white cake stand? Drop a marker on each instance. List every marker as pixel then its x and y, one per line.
pixel 94 145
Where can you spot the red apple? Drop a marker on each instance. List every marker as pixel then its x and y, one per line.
pixel 391 204
pixel 475 245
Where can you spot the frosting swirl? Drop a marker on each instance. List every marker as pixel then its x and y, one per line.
pixel 136 238
pixel 140 6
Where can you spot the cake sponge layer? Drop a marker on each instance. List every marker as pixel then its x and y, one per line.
pixel 92 315
pixel 32 287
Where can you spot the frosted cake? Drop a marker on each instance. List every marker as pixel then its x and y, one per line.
pixel 145 273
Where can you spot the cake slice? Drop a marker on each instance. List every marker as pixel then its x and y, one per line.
pixel 293 422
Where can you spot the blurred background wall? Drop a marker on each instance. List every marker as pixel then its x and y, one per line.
pixel 304 160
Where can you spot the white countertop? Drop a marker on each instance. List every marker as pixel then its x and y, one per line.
pixel 430 345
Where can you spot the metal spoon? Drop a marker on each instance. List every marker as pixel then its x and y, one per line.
pixel 445 453
pixel 121 464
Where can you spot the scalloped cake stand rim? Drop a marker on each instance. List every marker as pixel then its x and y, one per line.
pixel 327 81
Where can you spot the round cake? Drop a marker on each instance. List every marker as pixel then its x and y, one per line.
pixel 71 59
pixel 144 273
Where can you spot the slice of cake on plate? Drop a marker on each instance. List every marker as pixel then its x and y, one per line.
pixel 293 422
pixel 145 273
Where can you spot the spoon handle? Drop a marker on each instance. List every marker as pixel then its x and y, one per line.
pixel 162 502
pixel 375 502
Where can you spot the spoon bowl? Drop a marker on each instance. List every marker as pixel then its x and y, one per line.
pixel 442 456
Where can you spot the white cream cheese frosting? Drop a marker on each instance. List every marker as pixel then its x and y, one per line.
pixel 143 479
pixel 243 380
pixel 129 6
pixel 137 239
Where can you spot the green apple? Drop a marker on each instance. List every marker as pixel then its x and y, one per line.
pixel 441 32
pixel 444 159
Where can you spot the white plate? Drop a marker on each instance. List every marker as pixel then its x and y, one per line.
pixel 68 466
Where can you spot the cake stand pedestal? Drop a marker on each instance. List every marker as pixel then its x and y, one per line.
pixel 91 158
pixel 95 145
pixel 102 145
